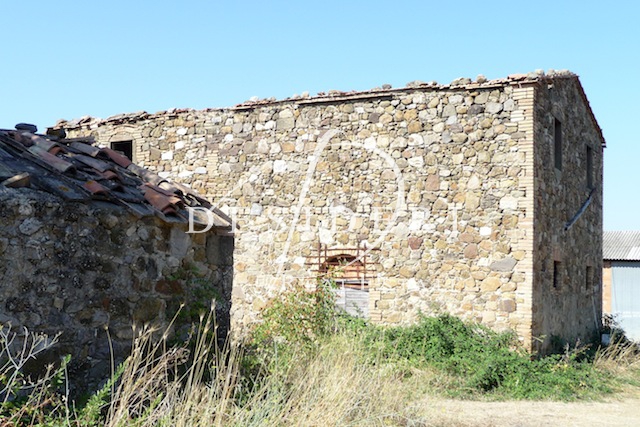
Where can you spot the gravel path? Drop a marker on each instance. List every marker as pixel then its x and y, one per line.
pixel 623 412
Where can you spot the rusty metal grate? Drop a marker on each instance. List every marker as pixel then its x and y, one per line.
pixel 350 266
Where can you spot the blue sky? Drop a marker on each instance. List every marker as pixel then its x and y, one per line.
pixel 67 59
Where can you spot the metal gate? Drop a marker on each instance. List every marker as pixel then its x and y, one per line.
pixel 625 297
pixel 350 268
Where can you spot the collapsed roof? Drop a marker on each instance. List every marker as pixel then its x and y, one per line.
pixel 78 170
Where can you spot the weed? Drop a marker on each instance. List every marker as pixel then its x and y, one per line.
pixel 301 317
pixel 478 360
pixel 26 400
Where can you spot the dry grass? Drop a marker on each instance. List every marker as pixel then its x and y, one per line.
pixel 333 387
pixel 622 361
pixel 175 386
pixel 619 357
pixel 340 383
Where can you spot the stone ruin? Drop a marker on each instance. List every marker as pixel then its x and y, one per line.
pixel 93 246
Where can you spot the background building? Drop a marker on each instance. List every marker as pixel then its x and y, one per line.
pixel 621 279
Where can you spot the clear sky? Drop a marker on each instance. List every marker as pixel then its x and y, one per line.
pixel 66 59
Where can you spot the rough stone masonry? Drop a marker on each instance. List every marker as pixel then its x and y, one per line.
pixel 92 250
pixel 465 191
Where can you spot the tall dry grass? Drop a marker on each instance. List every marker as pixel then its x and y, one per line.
pixel 621 360
pixel 331 386
pixel 343 381
pixel 334 386
pixel 190 385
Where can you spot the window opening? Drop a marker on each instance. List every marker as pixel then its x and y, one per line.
pixel 125 147
pixel 556 274
pixel 589 167
pixel 557 143
pixel 350 267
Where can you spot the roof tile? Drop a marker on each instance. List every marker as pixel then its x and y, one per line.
pixel 53 161
pixel 17 181
pixel 118 158
pixel 95 188
pixel 98 165
pixel 161 201
pixel 87 149
pixel 76 170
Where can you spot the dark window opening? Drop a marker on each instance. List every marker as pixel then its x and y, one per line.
pixel 125 147
pixel 556 274
pixel 588 283
pixel 589 167
pixel 557 143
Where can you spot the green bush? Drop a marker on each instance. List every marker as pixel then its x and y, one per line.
pixel 300 317
pixel 484 361
pixel 475 359
pixel 293 326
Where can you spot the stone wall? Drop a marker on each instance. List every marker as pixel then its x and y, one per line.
pixel 81 268
pixel 572 308
pixel 439 179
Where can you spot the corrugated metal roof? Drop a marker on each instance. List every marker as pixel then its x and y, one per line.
pixel 621 246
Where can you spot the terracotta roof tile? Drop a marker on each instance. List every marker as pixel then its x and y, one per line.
pixel 95 188
pixel 118 158
pixel 98 165
pixel 85 148
pixel 111 175
pixel 45 144
pixel 17 181
pixel 161 201
pixel 53 161
pixel 76 170
pixel 56 149
pixel 157 189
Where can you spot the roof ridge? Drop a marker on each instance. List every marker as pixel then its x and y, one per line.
pixel 460 83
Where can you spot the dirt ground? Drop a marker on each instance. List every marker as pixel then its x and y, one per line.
pixel 623 411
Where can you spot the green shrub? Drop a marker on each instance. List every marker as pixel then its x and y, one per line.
pixel 475 359
pixel 300 317
pixel 484 361
pixel 293 325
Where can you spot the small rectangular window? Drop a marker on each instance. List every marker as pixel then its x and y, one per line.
pixel 557 144
pixel 588 283
pixel 556 274
pixel 589 167
pixel 125 147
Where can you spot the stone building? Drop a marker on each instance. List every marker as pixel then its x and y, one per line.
pixel 92 245
pixel 478 198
